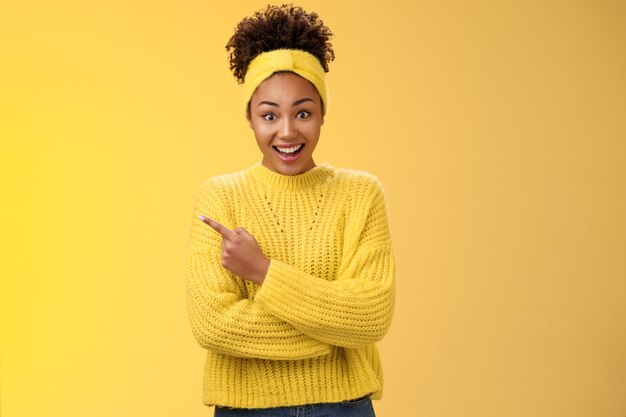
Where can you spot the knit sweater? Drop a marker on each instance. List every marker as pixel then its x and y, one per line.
pixel 308 333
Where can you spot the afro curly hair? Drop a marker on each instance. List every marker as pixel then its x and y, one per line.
pixel 278 27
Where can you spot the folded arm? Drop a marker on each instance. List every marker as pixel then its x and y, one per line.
pixel 221 317
pixel 356 307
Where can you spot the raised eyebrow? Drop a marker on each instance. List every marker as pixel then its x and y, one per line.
pixel 269 103
pixel 302 100
pixel 295 103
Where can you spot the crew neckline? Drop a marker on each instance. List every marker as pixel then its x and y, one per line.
pixel 275 179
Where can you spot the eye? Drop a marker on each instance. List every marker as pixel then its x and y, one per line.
pixel 269 117
pixel 303 114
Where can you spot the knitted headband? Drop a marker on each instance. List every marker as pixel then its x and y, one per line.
pixel 300 62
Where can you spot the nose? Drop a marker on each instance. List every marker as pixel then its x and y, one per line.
pixel 287 129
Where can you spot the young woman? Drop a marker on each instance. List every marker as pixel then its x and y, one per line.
pixel 291 274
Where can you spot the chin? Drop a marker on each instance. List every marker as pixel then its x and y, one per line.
pixel 290 170
pixel 284 168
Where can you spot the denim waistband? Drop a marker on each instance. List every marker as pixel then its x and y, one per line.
pixel 356 407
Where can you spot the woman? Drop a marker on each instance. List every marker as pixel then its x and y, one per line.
pixel 293 283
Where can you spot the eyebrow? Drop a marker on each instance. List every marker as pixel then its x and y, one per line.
pixel 295 103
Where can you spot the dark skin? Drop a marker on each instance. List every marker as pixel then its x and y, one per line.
pixel 241 253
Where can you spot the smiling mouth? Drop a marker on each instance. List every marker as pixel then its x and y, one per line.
pixel 298 149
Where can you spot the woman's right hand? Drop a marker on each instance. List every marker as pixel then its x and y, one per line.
pixel 241 253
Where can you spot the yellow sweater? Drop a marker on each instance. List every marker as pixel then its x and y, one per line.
pixel 308 333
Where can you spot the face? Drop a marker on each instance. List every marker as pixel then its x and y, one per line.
pixel 286 116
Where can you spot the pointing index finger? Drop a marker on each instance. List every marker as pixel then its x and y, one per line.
pixel 218 227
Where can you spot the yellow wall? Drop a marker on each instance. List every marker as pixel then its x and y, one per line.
pixel 497 128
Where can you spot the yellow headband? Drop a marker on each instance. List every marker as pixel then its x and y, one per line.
pixel 301 62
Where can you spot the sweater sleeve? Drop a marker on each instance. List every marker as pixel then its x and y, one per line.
pixel 356 307
pixel 221 317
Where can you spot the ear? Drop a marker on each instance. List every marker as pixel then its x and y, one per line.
pixel 322 120
pixel 250 122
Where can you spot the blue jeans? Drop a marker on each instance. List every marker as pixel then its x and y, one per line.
pixel 359 407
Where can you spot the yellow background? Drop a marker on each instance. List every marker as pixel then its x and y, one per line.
pixel 498 130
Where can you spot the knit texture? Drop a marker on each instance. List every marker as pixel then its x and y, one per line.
pixel 308 333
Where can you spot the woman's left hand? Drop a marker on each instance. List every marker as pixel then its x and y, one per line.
pixel 241 253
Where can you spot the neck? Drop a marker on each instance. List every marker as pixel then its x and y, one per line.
pixel 273 179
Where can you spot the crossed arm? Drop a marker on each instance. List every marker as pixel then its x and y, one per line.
pixel 351 311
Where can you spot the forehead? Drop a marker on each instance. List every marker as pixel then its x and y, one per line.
pixel 285 86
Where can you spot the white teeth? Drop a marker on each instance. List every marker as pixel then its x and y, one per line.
pixel 289 150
